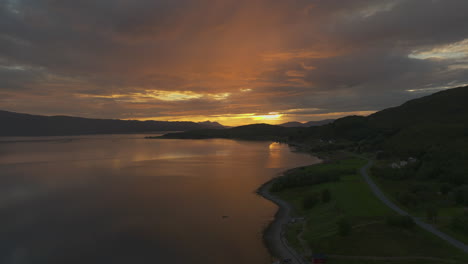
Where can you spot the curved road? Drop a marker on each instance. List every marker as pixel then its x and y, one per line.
pixel 376 190
pixel 275 232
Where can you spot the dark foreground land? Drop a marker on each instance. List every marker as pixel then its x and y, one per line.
pixel 335 212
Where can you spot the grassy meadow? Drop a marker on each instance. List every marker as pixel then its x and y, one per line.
pixel 352 221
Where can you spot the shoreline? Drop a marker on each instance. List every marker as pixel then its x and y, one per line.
pixel 273 234
pixel 267 233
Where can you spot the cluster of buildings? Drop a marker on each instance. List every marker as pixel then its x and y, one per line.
pixel 402 163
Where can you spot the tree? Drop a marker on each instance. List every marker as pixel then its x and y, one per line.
pixel 407 198
pixel 310 201
pixel 445 188
pixel 432 214
pixel 326 196
pixel 461 195
pixel 344 227
pixel 460 223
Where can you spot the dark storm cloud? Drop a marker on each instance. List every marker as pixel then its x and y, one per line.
pixel 376 71
pixel 186 58
pixel 17 78
pixel 410 24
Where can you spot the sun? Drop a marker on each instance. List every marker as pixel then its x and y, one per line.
pixel 272 116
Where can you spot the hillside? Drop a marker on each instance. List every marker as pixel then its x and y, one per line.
pixel 433 116
pixel 439 116
pixel 307 124
pixel 16 124
pixel 292 124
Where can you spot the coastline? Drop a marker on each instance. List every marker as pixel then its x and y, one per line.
pixel 273 234
pixel 268 232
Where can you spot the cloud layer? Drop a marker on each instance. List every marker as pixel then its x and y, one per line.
pixel 235 61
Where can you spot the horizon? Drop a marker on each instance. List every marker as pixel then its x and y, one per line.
pixel 232 62
pixel 270 119
pixel 259 121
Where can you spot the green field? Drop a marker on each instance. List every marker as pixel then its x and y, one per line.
pixel 445 208
pixel 370 234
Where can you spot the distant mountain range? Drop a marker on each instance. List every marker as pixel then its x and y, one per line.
pixel 16 124
pixel 307 124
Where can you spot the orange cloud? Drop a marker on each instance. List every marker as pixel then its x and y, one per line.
pixel 235 61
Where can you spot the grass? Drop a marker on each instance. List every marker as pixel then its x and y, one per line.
pixel 291 235
pixel 391 188
pixel 338 165
pixel 370 236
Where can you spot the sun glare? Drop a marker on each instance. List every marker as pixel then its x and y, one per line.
pixel 270 116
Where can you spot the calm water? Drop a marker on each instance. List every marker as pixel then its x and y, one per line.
pixel 126 199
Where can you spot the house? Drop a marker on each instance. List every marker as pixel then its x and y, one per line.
pixel 399 164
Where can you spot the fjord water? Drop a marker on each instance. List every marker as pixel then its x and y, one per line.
pixel 126 199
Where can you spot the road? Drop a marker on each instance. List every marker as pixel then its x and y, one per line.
pixel 376 190
pixel 274 235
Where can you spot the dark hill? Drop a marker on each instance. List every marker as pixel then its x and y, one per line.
pixel 425 119
pixel 448 106
pixel 292 124
pixel 319 123
pixel 307 124
pixel 16 124
pixel 419 118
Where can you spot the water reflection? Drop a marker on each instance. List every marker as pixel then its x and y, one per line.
pixel 124 199
pixel 274 157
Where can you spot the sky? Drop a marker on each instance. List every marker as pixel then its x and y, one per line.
pixel 231 61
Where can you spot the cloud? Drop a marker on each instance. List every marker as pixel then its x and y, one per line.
pixel 176 59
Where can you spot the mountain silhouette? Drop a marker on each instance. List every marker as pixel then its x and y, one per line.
pixel 16 124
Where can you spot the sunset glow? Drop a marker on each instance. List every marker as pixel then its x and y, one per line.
pixel 235 62
pixel 233 131
pixel 255 118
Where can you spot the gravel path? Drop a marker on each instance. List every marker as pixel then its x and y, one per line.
pixel 274 235
pixel 376 190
